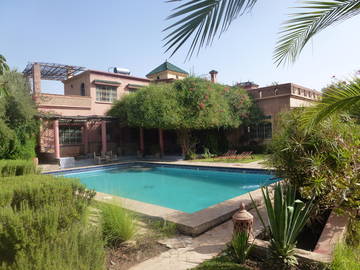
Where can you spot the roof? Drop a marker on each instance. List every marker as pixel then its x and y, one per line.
pixel 53 71
pixel 166 66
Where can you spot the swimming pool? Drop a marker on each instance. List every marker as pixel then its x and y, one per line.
pixel 181 188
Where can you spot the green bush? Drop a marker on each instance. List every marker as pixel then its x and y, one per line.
pixel 17 167
pixel 323 162
pixel 42 225
pixel 76 248
pixel 117 224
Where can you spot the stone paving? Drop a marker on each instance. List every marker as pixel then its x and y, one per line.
pixel 187 252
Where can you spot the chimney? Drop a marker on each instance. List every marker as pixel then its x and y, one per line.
pixel 36 79
pixel 213 74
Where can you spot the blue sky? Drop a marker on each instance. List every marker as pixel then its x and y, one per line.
pixel 101 34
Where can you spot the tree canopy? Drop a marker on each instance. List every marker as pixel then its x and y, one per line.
pixel 18 126
pixel 184 105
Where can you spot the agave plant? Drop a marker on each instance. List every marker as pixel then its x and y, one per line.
pixel 287 216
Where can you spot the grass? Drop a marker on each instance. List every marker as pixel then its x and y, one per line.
pixel 118 225
pixel 255 157
pixel 347 255
pixel 221 263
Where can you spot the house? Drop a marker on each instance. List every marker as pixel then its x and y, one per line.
pixel 76 124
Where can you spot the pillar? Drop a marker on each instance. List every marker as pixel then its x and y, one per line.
pixel 103 137
pixel 36 79
pixel 142 141
pixel 56 139
pixel 86 138
pixel 161 141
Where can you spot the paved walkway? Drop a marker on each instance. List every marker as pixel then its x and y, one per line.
pixel 186 252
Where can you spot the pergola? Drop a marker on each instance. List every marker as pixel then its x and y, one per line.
pixel 52 71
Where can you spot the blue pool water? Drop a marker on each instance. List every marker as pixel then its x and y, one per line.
pixel 187 190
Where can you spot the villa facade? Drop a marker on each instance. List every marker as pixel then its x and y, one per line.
pixel 76 124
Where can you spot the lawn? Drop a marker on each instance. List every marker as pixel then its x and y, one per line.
pixel 254 157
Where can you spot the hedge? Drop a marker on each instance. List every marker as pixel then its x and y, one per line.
pixel 43 225
pixel 17 167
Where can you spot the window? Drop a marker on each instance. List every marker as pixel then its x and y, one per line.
pixel 70 135
pixel 260 94
pixel 158 77
pixel 105 93
pixel 82 89
pixel 276 92
pixel 261 131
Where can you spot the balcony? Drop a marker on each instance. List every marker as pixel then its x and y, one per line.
pixel 62 101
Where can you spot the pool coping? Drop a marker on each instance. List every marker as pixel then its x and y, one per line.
pixel 188 223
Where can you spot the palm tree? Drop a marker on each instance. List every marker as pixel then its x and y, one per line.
pixel 204 19
pixel 3 66
pixel 337 98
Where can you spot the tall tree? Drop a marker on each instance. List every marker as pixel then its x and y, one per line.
pixel 3 67
pixel 185 105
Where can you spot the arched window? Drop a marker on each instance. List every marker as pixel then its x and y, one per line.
pixel 82 89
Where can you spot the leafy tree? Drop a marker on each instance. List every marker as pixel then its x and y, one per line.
pixel 324 163
pixel 18 126
pixel 185 105
pixel 204 19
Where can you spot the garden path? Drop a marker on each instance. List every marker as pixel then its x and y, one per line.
pixel 187 252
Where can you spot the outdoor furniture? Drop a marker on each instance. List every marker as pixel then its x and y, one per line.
pixel 230 154
pixel 99 159
pixel 66 162
pixel 244 155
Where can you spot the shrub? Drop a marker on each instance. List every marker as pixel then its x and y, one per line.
pixel 76 248
pixel 17 167
pixel 323 162
pixel 117 224
pixel 221 263
pixel 41 225
pixel 239 248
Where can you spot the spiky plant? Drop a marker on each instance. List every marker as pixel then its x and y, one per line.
pixel 286 216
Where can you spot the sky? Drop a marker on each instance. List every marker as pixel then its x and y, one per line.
pixel 128 33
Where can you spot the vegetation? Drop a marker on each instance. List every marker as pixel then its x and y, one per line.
pixel 42 225
pixel 202 20
pixel 323 163
pixel 287 216
pixel 347 255
pixel 239 248
pixel 18 125
pixel 17 167
pixel 3 66
pixel 337 98
pixel 185 105
pixel 221 263
pixel 117 224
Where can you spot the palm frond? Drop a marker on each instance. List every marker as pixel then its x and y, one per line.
pixel 202 19
pixel 343 97
pixel 319 15
pixel 3 66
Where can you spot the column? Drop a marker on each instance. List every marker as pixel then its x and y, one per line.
pixel 36 79
pixel 56 139
pixel 161 141
pixel 103 137
pixel 142 140
pixel 86 138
